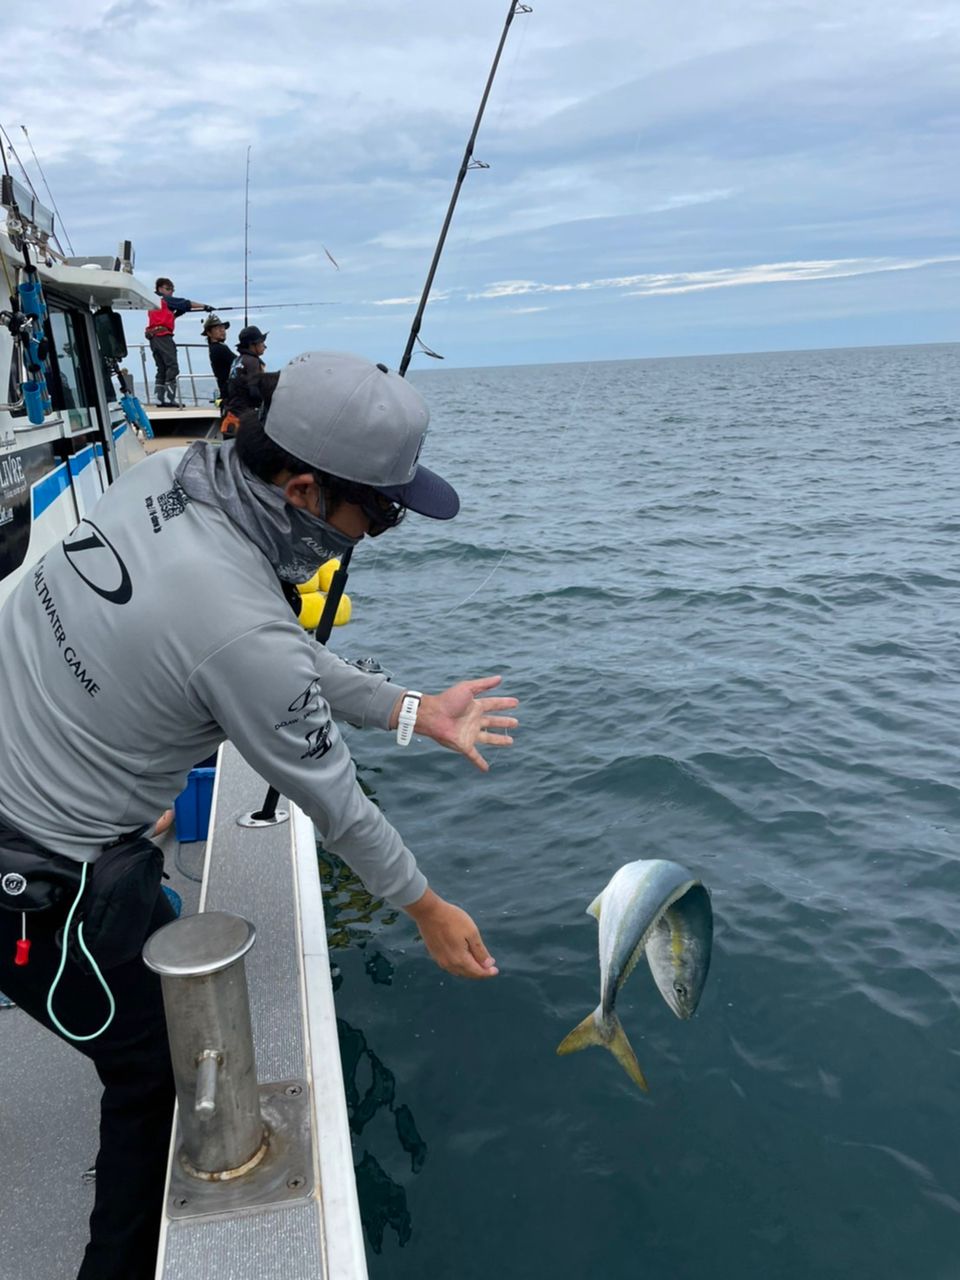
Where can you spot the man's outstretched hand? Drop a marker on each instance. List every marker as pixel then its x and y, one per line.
pixel 451 937
pixel 460 719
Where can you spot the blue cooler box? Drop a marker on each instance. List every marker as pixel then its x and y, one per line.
pixel 191 808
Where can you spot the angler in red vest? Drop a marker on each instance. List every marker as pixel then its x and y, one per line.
pixel 159 333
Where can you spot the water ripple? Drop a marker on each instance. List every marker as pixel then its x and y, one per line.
pixel 726 590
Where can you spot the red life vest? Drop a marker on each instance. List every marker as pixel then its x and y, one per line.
pixel 160 322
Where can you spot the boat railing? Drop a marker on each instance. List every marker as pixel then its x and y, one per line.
pixel 197 387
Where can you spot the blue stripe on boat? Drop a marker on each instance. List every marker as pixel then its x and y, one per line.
pixel 49 489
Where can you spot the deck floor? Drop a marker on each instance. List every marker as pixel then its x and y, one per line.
pixel 49 1114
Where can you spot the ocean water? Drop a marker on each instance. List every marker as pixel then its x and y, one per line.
pixel 727 591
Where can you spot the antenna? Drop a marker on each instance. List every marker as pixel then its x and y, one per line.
pixel 246 242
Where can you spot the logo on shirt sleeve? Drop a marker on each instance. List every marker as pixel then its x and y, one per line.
pixel 318 742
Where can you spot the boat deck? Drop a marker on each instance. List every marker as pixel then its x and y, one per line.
pixel 192 422
pixel 48 1112
pixel 48 1125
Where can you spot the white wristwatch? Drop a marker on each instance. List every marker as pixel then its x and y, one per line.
pixel 408 716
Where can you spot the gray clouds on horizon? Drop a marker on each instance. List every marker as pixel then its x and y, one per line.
pixel 702 142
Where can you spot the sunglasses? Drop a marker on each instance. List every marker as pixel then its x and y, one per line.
pixel 382 513
pixel 379 510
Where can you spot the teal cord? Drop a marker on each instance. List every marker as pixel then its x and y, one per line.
pixel 63 964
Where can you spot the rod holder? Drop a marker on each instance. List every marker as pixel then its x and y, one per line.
pixel 200 960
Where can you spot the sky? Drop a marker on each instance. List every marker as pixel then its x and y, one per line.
pixel 665 179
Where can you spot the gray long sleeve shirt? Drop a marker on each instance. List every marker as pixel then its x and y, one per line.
pixel 150 634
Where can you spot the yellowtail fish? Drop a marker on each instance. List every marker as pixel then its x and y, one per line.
pixel 658 908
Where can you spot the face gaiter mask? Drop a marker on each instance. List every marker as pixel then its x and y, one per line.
pixel 295 542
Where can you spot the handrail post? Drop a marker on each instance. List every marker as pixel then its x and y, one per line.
pixel 200 962
pixel 192 376
pixel 146 380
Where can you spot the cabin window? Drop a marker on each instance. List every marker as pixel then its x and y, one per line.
pixel 74 398
pixel 111 345
pixel 12 390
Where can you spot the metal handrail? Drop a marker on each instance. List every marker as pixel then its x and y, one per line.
pixel 200 399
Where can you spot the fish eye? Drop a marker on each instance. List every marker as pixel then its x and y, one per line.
pixel 680 989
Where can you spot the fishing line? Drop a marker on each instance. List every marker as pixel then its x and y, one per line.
pixel 466 599
pixel 10 285
pixel 49 193
pixel 187 875
pixel 6 169
pixel 13 152
pixel 588 372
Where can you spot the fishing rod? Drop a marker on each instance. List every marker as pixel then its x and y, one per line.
pixel 246 241
pixel 36 161
pixel 13 152
pixel 339 581
pixel 468 162
pixel 28 309
pixel 274 306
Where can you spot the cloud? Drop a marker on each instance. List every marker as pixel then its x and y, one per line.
pixel 779 273
pixel 724 277
pixel 809 141
pixel 126 13
pixel 411 301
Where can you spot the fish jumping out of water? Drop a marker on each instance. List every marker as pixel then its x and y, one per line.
pixel 651 906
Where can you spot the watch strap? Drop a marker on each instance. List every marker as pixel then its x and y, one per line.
pixel 408 716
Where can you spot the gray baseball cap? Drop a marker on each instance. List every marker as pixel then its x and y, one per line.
pixel 354 419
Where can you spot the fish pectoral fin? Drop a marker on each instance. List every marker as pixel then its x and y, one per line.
pixel 622 1050
pixel 582 1036
pixel 594 907
pixel 612 1037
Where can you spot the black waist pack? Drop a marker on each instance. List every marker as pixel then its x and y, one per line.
pixel 31 877
pixel 118 898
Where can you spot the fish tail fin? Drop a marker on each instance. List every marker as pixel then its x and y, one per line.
pixel 610 1035
pixel 583 1035
pixel 622 1050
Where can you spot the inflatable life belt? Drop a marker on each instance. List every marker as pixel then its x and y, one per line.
pixel 313 597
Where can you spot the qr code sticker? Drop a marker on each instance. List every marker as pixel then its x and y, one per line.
pixel 173 502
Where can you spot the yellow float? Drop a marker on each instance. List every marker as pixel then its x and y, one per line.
pixel 311 609
pixel 321 579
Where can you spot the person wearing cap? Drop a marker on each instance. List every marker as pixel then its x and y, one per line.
pixel 221 357
pixel 243 386
pixel 161 627
pixel 159 333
